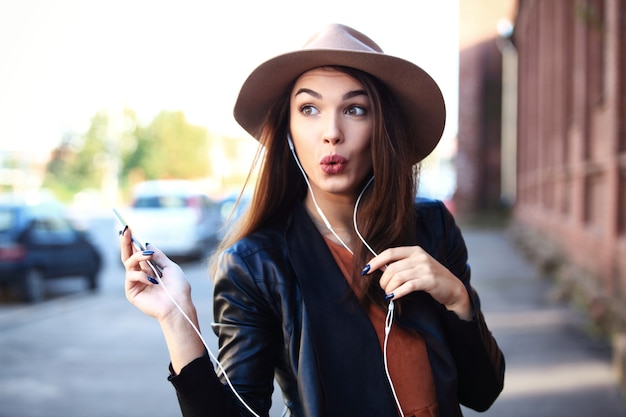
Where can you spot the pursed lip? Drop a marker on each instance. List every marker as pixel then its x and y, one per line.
pixel 333 164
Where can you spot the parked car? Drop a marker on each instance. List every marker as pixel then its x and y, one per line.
pixel 231 208
pixel 174 216
pixel 39 242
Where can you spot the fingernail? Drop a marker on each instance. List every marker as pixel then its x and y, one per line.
pixel 365 270
pixel 147 252
pixel 389 296
pixel 152 280
pixel 147 244
pixel 121 232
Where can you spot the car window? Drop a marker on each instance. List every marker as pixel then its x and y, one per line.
pixel 169 201
pixel 52 229
pixel 7 219
pixel 208 203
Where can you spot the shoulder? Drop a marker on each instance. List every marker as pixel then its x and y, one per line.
pixel 261 257
pixel 266 239
pixel 437 231
pixel 433 213
pixel 431 204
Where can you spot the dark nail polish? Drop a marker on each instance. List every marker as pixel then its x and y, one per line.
pixel 123 231
pixel 147 244
pixel 365 270
pixel 148 252
pixel 152 280
pixel 389 296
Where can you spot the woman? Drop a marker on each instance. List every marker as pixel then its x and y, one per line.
pixel 337 283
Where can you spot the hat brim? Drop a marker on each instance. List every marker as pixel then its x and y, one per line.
pixel 417 93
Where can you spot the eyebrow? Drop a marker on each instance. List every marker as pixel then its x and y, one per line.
pixel 317 95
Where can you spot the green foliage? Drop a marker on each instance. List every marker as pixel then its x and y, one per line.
pixel 169 147
pixel 80 161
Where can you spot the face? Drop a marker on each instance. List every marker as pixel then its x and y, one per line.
pixel 331 127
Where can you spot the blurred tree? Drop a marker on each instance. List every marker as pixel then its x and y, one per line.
pixel 116 146
pixel 79 162
pixel 169 147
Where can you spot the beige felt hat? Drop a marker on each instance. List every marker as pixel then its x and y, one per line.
pixel 416 92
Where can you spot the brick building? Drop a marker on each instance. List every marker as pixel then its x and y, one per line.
pixel 479 165
pixel 571 150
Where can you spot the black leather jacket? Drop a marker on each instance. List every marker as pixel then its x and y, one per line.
pixel 282 309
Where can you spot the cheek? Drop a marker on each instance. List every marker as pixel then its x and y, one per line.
pixel 305 150
pixel 364 151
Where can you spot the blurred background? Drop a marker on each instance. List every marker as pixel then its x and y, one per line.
pixel 128 104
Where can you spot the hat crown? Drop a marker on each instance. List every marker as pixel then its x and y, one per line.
pixel 416 94
pixel 342 37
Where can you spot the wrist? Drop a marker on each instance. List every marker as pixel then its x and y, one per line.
pixel 183 341
pixel 175 319
pixel 462 305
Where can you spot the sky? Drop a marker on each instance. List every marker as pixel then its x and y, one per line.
pixel 62 61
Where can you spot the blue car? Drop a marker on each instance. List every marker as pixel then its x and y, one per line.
pixel 38 242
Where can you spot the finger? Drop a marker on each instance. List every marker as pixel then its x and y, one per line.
pixel 387 257
pixel 137 261
pixel 397 274
pixel 136 277
pixel 136 283
pixel 126 245
pixel 416 263
pixel 415 269
pixel 159 257
pixel 390 274
pixel 395 293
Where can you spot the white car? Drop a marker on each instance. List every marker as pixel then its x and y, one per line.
pixel 174 216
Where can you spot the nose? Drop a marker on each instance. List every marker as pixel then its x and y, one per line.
pixel 332 131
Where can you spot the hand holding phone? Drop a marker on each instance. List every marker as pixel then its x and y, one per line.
pixel 155 268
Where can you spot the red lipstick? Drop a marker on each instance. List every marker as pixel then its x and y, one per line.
pixel 333 164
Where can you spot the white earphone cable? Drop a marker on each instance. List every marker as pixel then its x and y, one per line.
pixel 388 322
pixel 197 331
pixel 390 309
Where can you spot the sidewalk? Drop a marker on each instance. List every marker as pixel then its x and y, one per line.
pixel 554 368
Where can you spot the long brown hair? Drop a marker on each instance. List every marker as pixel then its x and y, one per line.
pixel 386 215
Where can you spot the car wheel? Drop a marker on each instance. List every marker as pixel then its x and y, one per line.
pixel 92 282
pixel 34 289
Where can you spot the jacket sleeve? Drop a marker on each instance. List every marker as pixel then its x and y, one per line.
pixel 248 328
pixel 479 360
pixel 245 327
pixel 200 393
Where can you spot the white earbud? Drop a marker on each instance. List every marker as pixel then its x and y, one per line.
pixel 290 142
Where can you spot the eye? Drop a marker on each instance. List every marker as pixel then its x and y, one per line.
pixel 356 111
pixel 309 110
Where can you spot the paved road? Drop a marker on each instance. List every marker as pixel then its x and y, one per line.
pixel 81 354
pixel 554 368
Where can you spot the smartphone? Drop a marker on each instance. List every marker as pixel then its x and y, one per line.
pixel 155 268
